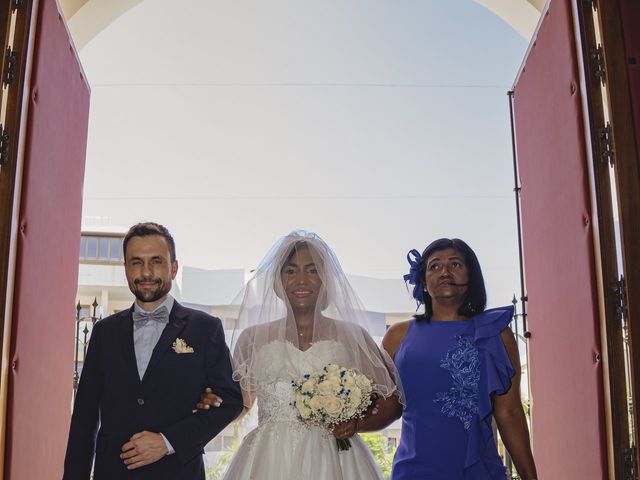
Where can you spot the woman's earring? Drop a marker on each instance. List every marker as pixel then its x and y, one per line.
pixel 470 307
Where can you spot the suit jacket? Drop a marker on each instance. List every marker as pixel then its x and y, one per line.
pixel 112 403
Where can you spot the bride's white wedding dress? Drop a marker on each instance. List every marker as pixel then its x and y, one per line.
pixel 281 447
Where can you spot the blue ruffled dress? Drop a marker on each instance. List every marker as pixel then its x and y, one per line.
pixel 449 371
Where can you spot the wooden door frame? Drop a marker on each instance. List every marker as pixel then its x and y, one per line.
pixel 14 121
pixel 609 68
pixel 627 178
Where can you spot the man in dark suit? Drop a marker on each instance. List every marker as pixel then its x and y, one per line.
pixel 143 375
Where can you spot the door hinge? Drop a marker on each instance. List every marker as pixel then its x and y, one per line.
pixel 17 5
pixel 4 145
pixel 620 300
pixel 630 464
pixel 605 144
pixel 597 65
pixel 10 67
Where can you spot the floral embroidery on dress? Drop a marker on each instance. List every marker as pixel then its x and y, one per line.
pixel 462 398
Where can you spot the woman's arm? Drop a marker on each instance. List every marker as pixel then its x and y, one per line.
pixel 509 415
pixel 386 409
pixel 394 336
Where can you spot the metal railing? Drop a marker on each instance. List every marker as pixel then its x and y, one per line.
pixel 82 328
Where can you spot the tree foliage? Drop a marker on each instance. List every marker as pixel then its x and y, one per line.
pixel 383 455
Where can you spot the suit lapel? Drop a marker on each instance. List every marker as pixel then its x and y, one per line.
pixel 177 322
pixel 126 344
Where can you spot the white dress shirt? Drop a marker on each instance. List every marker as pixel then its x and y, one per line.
pixel 145 337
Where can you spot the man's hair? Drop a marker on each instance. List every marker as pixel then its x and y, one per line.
pixel 147 229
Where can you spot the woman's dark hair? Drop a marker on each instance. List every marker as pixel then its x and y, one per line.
pixel 147 229
pixel 475 299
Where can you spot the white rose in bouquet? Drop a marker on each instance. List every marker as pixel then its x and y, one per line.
pixel 332 368
pixel 316 403
pixel 326 387
pixel 308 386
pixel 349 381
pixel 330 396
pixel 304 411
pixel 363 383
pixel 334 406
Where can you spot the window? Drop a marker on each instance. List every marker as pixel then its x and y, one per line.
pixel 105 248
pixel 115 249
pixel 92 248
pixel 229 323
pixel 85 311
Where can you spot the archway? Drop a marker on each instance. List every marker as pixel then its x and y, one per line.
pixel 87 18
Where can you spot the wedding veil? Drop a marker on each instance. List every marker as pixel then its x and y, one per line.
pixel 266 315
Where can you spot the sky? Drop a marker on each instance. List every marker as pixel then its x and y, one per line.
pixel 380 125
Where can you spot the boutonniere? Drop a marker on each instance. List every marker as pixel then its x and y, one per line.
pixel 180 346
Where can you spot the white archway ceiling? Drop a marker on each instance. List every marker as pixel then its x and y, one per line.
pixel 70 7
pixel 255 118
pixel 87 18
pixel 521 15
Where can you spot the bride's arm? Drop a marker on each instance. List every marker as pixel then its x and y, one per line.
pixel 248 399
pixel 384 412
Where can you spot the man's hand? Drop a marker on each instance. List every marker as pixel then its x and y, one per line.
pixel 207 400
pixel 143 449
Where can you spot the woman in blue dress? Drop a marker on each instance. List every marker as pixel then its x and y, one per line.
pixel 459 366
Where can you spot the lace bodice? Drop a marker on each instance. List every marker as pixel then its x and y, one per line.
pixel 279 364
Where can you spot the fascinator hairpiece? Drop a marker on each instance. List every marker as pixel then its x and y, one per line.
pixel 414 278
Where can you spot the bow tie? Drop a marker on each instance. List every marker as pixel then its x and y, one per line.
pixel 160 315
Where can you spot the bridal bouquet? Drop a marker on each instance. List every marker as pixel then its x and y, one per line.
pixel 330 396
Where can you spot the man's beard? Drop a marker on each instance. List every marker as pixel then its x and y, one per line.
pixel 148 296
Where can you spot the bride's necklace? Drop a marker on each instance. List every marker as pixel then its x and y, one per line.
pixel 304 330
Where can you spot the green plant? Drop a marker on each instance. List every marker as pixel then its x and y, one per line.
pixel 382 454
pixel 217 471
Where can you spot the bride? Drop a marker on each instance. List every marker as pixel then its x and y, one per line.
pixel 298 314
